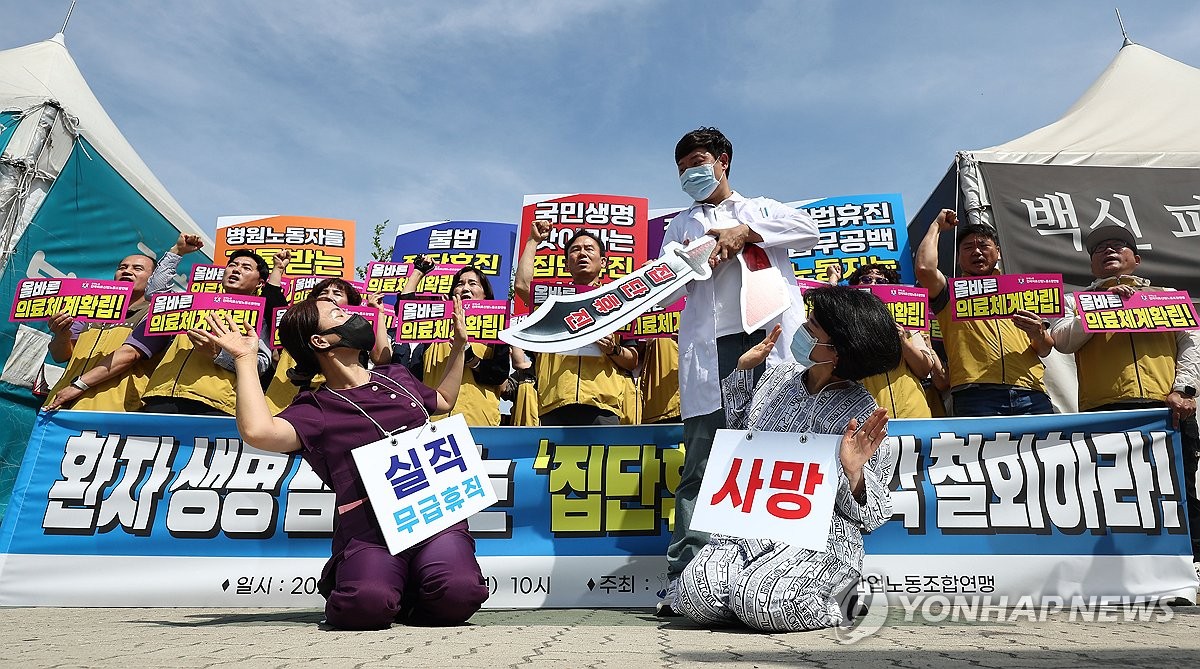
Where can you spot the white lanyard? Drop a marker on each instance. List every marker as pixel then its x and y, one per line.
pixel 415 402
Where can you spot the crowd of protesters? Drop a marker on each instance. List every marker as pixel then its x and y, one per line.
pixel 712 375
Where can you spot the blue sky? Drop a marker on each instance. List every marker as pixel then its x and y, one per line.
pixel 416 111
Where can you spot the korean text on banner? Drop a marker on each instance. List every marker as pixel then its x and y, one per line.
pixel 176 313
pixel 320 246
pixel 89 300
pixel 428 321
pixel 980 297
pixel 424 481
pixel 855 230
pixel 1164 311
pixel 484 245
pixel 618 220
pixel 794 472
pixel 909 305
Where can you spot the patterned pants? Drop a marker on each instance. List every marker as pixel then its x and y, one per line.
pixel 766 585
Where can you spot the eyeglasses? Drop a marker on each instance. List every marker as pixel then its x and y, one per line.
pixel 1111 245
pixel 872 280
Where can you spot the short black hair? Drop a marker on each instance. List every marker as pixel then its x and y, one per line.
pixel 263 270
pixel 353 298
pixel 889 273
pixel 860 327
pixel 488 293
pixel 586 233
pixel 981 229
pixel 708 138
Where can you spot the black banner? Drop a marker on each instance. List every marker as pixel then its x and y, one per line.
pixel 1044 213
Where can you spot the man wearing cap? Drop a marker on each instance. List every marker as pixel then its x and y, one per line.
pixel 995 363
pixel 1134 370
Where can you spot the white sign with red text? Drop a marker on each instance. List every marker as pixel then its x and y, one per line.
pixel 770 485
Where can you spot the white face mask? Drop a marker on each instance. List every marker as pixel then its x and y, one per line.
pixel 699 182
pixel 802 347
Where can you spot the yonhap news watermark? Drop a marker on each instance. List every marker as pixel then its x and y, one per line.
pixel 873 612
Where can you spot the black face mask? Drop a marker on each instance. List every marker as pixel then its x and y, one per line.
pixel 355 333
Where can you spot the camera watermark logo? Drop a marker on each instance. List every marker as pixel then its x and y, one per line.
pixel 863 617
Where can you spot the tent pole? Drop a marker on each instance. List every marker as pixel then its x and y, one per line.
pixel 1121 23
pixel 69 10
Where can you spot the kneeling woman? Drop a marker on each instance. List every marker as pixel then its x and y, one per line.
pixel 436 582
pixel 769 585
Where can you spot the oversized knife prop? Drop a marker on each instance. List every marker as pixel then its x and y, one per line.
pixel 568 322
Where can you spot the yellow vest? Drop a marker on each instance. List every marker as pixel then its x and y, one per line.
pixel 1120 366
pixel 525 406
pixel 989 351
pixel 281 391
pixel 900 392
pixel 631 403
pixel 185 373
pixel 660 380
pixel 478 404
pixel 123 393
pixel 574 379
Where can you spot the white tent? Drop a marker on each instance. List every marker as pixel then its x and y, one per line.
pixel 51 105
pixel 1142 111
pixel 1126 152
pixel 74 199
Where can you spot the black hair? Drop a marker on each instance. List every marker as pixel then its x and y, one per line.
pixel 263 270
pixel 353 298
pixel 488 293
pixel 981 229
pixel 587 233
pixel 860 328
pixel 708 138
pixel 889 273
pixel 299 323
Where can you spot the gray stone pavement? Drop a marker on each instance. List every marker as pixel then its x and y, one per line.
pixel 628 639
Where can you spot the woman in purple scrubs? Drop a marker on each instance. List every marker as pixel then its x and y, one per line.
pixel 436 582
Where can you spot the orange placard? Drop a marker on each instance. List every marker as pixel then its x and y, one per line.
pixel 320 246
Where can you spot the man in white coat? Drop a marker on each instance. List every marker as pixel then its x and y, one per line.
pixel 710 327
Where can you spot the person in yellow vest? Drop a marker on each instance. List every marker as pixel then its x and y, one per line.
pixel 521 390
pixel 660 381
pixel 81 345
pixel 1135 370
pixel 995 364
pixel 288 378
pixel 193 376
pixel 899 389
pixel 578 389
pixel 486 366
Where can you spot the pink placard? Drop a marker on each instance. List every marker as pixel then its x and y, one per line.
pixel 982 297
pixel 176 313
pixel 1144 311
pixel 89 300
pixel 433 320
pixel 909 304
pixel 387 277
pixel 206 278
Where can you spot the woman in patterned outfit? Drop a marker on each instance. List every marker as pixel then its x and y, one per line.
pixel 769 585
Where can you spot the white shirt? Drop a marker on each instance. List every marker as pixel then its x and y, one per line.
pixel 781 227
